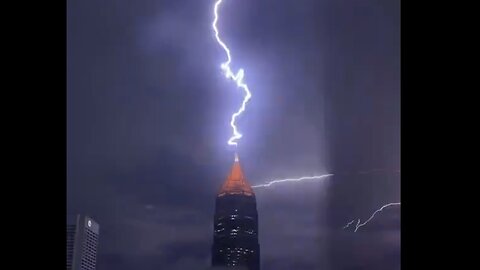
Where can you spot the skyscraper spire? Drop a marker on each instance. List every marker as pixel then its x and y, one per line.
pixel 236 182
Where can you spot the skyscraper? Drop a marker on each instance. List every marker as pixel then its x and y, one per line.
pixel 235 236
pixel 82 242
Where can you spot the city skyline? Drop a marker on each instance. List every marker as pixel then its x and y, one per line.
pixel 148 113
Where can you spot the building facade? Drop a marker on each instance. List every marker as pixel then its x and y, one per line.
pixel 82 243
pixel 235 236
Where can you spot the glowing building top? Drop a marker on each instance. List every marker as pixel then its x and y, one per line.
pixel 236 182
pixel 235 224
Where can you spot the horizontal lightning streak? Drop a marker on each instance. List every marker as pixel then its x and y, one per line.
pixel 292 180
pixel 238 77
pixel 371 217
pixel 314 177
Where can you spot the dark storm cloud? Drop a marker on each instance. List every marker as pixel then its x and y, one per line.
pixel 198 250
pixel 153 262
pixel 148 113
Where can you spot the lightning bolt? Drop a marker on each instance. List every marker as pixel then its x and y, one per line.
pixel 238 77
pixel 359 224
pixel 269 183
pixel 348 224
pixel 371 217
pixel 292 180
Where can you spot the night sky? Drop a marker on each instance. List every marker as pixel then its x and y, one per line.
pixel 148 113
